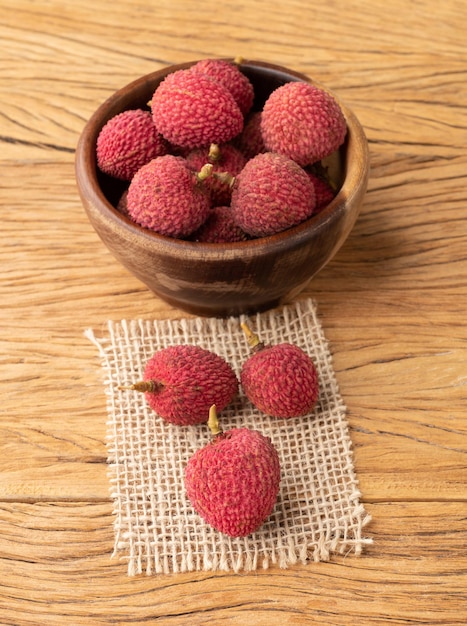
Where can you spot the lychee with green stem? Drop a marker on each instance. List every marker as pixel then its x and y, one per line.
pixel 280 380
pixel 168 197
pixel 233 482
pixel 182 382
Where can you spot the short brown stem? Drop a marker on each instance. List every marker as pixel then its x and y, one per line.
pixel 143 386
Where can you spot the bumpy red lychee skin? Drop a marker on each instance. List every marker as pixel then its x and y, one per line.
pixel 234 481
pixel 250 141
pixel 220 227
pixel 166 196
pixel 323 191
pixel 228 159
pixel 303 122
pixel 192 110
pixel 281 381
pixel 271 193
pixel 229 75
pixel 128 141
pixel 190 380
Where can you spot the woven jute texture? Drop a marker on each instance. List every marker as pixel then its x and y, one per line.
pixel 318 511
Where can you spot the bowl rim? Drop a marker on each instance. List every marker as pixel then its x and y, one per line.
pixel 355 178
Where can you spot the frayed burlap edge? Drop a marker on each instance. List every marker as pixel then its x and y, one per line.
pixel 318 511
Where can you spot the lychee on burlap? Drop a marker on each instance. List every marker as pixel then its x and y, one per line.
pixel 318 511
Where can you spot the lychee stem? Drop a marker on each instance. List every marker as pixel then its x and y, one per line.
pixel 213 422
pixel 225 177
pixel 205 172
pixel 143 386
pixel 238 60
pixel 253 340
pixel 214 153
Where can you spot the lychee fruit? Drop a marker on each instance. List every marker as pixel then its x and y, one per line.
pixel 250 141
pixel 220 227
pixel 280 380
pixel 128 141
pixel 167 196
pixel 224 158
pixel 271 193
pixel 122 204
pixel 191 110
pixel 323 191
pixel 230 76
pixel 182 382
pixel 233 482
pixel 303 122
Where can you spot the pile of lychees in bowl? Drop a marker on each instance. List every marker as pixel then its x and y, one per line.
pixel 224 185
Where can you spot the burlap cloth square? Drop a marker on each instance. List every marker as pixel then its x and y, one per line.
pixel 318 511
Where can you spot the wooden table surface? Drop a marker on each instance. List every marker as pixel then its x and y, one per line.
pixel 392 303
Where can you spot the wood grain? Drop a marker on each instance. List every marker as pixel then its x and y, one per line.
pixel 392 303
pixel 59 565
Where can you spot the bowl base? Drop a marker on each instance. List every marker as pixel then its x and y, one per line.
pixel 219 310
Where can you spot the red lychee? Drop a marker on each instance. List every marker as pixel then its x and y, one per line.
pixel 250 141
pixel 271 193
pixel 128 141
pixel 230 76
pixel 323 191
pixel 182 382
pixel 280 380
pixel 303 122
pixel 166 196
pixel 192 110
pixel 122 204
pixel 233 482
pixel 220 227
pixel 224 158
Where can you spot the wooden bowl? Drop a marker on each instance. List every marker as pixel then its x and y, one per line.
pixel 222 279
